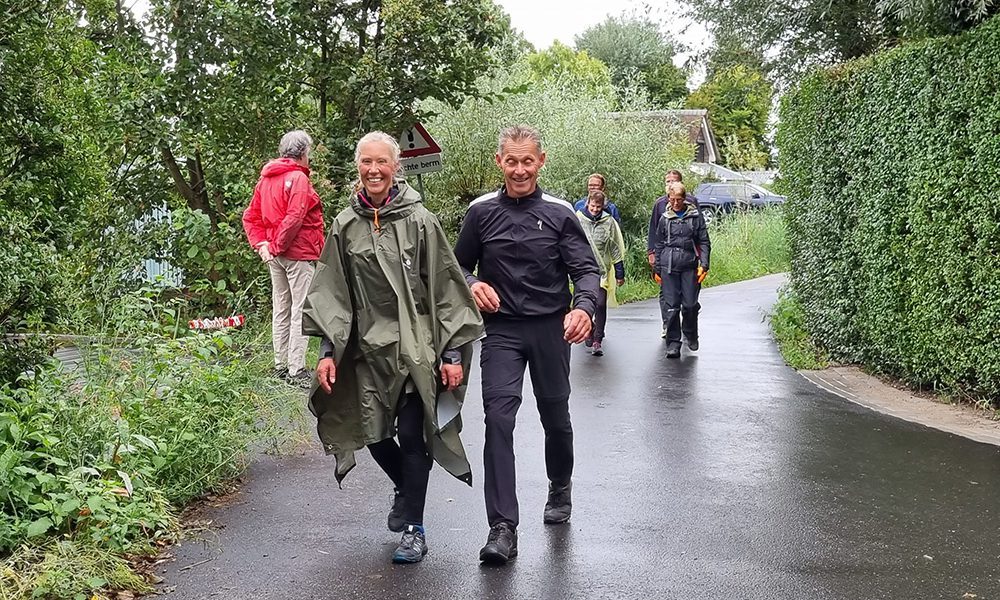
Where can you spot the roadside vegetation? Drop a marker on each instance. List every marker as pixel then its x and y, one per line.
pixel 894 233
pixel 789 328
pixel 745 245
pixel 96 458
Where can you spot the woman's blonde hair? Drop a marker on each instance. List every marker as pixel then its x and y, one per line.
pixel 388 140
pixel 676 188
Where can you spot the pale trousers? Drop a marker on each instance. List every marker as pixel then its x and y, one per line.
pixel 290 281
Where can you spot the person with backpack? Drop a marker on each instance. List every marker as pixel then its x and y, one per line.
pixel 681 252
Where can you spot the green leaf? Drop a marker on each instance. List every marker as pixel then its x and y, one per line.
pixel 193 251
pixel 39 527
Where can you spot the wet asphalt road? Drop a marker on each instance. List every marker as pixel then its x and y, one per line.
pixel 720 475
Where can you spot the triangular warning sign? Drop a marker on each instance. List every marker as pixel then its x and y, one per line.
pixel 415 141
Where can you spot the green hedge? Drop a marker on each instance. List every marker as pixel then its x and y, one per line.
pixel 892 165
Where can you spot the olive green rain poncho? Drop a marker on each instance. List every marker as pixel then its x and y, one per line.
pixel 391 297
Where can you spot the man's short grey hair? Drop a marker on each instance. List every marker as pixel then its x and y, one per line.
pixel 519 133
pixel 295 144
pixel 377 136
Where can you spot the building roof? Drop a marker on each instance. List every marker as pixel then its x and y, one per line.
pixel 695 120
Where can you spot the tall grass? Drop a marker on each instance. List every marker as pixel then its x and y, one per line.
pixel 745 245
pixel 794 342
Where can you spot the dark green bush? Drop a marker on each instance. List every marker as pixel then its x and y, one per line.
pixel 892 164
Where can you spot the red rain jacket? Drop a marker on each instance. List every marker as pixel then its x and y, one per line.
pixel 286 212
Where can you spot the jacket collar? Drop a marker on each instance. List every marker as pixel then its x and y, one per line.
pixel 532 197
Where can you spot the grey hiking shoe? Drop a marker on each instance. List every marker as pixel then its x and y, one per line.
pixel 501 545
pixel 412 546
pixel 395 520
pixel 692 344
pixel 559 505
pixel 302 379
pixel 674 350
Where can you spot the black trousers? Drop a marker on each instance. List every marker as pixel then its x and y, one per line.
pixel 600 316
pixel 407 464
pixel 679 304
pixel 509 346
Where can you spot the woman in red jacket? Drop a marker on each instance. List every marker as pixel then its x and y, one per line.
pixel 284 224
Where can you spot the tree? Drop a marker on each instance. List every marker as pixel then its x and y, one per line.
pixel 799 34
pixel 578 70
pixel 738 101
pixel 636 44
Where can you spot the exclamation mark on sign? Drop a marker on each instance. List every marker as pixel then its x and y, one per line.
pixel 409 138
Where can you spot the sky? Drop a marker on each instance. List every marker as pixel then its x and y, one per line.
pixel 544 21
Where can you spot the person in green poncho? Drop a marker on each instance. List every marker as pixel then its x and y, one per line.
pixel 397 322
pixel 606 240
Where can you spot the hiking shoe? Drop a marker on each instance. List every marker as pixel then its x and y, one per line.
pixel 395 521
pixel 692 344
pixel 280 373
pixel 663 333
pixel 596 349
pixel 559 505
pixel 501 545
pixel 674 350
pixel 588 342
pixel 302 379
pixel 412 546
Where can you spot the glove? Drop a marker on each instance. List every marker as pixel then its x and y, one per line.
pixel 702 274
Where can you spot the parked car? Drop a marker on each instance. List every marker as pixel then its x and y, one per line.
pixel 719 198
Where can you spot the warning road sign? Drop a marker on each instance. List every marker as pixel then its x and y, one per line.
pixel 415 141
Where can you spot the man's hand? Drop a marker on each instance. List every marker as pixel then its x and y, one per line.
pixel 326 371
pixel 576 326
pixel 619 282
pixel 650 257
pixel 263 250
pixel 702 273
pixel 451 376
pixel 486 297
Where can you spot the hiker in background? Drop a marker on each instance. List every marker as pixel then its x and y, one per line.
pixel 605 237
pixel 659 206
pixel 681 251
pixel 397 322
pixel 596 182
pixel 284 224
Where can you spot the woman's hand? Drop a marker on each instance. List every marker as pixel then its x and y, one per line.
pixel 263 250
pixel 326 372
pixel 451 376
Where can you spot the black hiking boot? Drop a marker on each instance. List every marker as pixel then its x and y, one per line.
pixel 395 521
pixel 559 505
pixel 674 350
pixel 692 343
pixel 501 545
pixel 412 547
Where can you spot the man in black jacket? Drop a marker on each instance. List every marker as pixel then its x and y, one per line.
pixel 526 245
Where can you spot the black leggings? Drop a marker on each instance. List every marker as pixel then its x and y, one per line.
pixel 407 464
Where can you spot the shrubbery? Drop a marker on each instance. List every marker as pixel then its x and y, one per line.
pixel 99 456
pixel 892 165
pixel 578 136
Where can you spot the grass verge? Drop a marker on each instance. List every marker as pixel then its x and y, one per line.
pixel 794 342
pixel 96 460
pixel 745 245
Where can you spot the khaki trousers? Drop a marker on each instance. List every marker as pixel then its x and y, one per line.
pixel 290 281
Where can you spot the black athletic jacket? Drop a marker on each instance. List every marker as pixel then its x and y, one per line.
pixel 528 249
